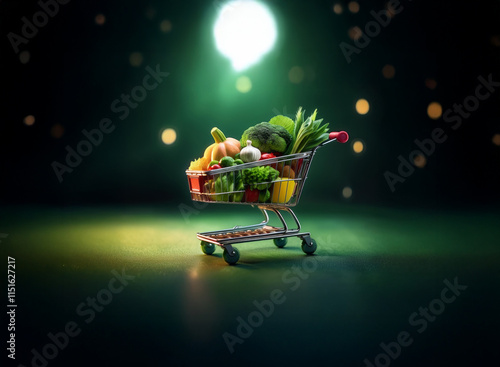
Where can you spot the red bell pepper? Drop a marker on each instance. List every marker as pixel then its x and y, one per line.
pixel 267 156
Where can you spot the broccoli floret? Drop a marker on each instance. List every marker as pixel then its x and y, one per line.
pixel 268 138
pixel 259 177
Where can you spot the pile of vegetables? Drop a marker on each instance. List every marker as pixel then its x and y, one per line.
pixel 266 183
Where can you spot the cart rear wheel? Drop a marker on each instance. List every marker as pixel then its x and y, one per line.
pixel 280 242
pixel 233 258
pixel 207 247
pixel 309 250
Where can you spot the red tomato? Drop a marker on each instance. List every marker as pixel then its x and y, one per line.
pixel 215 166
pixel 251 196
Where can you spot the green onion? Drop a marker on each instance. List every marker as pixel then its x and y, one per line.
pixel 309 133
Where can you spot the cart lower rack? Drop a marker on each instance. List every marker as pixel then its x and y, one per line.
pixel 278 195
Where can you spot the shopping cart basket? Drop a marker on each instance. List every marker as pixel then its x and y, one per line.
pixel 285 193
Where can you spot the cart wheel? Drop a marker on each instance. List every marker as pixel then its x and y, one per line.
pixel 280 242
pixel 207 247
pixel 233 258
pixel 309 250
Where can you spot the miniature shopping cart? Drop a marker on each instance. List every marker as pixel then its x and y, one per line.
pixel 285 193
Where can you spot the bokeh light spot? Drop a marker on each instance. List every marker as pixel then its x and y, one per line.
pixel 355 33
pixel 388 71
pixel 168 136
pixel 243 84
pixel 150 12
pixel 100 19
pixel 29 120
pixel 166 26
pixel 337 9
pixel 362 106
pixel 434 110
pixel 136 59
pixel 391 12
pixel 496 139
pixel 495 40
pixel 353 7
pixel 57 131
pixel 24 57
pixel 296 75
pixel 419 161
pixel 358 146
pixel 430 83
pixel 347 192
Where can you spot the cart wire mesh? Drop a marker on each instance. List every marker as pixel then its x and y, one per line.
pixel 224 186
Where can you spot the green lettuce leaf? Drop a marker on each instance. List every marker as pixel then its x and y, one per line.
pixel 284 121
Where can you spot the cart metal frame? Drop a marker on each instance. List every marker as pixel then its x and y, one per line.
pixel 226 238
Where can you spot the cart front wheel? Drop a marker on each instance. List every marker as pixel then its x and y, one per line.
pixel 309 249
pixel 207 247
pixel 280 242
pixel 233 258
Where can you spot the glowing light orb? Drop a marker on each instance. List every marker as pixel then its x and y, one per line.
pixel 244 84
pixel 244 32
pixel 168 136
pixel 29 120
pixel 420 161
pixel 355 33
pixel 347 192
pixel 136 59
pixel 496 139
pixel 296 75
pixel 358 146
pixel 166 26
pixel 24 57
pixel 353 6
pixel 430 83
pixel 388 71
pixel 362 106
pixel 57 131
pixel 434 110
pixel 100 19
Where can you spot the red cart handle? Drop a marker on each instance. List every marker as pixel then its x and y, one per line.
pixel 341 136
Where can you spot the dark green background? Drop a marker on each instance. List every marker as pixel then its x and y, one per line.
pixel 77 69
